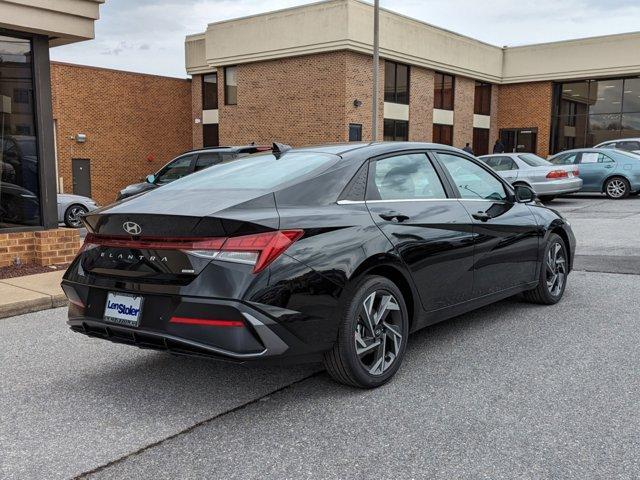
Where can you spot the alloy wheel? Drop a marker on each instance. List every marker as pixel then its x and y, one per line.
pixel 616 188
pixel 556 266
pixel 378 333
pixel 73 216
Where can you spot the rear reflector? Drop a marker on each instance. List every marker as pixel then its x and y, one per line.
pixel 557 174
pixel 258 250
pixel 206 322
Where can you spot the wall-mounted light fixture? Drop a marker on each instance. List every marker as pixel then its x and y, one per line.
pixel 357 103
pixel 81 137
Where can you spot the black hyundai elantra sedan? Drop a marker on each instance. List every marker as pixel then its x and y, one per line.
pixel 332 253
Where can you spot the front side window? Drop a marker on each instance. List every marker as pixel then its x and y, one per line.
pixel 594 157
pixel 231 85
pixel 396 83
pixel 396 130
pixel 404 177
pixel 628 145
pixel 19 159
pixel 482 100
pixel 210 91
pixel 443 91
pixel 473 181
pixel 175 170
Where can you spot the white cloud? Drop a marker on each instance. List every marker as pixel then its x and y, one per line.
pixel 148 35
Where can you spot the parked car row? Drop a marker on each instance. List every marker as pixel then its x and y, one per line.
pixel 607 170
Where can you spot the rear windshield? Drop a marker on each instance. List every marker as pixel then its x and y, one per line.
pixel 256 172
pixel 533 160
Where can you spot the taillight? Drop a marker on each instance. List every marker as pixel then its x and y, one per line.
pixel 258 250
pixel 557 174
pixel 576 172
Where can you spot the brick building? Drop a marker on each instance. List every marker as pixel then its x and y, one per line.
pixel 303 76
pixel 119 126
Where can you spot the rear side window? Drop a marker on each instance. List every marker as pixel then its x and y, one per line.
pixel 257 172
pixel 404 177
pixel 473 181
pixel 533 160
pixel 629 145
pixel 500 164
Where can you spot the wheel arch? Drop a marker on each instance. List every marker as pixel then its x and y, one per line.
pixel 614 175
pixel 392 269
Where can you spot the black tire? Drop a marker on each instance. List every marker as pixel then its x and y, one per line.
pixel 543 293
pixel 547 199
pixel 71 215
pixel 617 188
pixel 343 362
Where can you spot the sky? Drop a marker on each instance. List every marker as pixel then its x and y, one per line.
pixel 148 35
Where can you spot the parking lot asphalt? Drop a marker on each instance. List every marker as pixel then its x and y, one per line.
pixel 510 391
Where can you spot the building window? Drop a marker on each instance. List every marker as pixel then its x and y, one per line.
pixel 210 136
pixel 443 134
pixel 210 91
pixel 21 95
pixel 396 83
pixel 231 85
pixel 19 162
pixel 589 112
pixel 443 91
pixel 480 141
pixel 355 132
pixel 482 99
pixel 396 130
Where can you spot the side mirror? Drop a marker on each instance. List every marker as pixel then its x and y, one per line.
pixel 525 194
pixel 151 178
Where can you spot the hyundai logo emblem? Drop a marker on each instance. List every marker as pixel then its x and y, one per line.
pixel 132 228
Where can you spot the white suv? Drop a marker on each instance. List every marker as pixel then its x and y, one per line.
pixel 628 144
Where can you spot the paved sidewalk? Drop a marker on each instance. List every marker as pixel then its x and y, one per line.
pixel 31 293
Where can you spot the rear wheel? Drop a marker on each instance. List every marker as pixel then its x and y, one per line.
pixel 553 273
pixel 73 214
pixel 617 188
pixel 372 337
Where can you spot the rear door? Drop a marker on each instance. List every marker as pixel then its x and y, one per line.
pixel 506 233
pixel 429 229
pixel 594 168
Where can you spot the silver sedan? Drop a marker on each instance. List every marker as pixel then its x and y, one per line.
pixel 72 207
pixel 546 179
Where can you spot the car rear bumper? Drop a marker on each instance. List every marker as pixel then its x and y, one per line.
pixel 261 335
pixel 558 187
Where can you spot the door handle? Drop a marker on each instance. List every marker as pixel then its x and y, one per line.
pixel 394 217
pixel 608 166
pixel 482 216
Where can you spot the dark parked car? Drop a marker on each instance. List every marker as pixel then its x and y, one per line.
pixel 188 163
pixel 331 253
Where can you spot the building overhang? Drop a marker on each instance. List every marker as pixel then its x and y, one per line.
pixel 63 21
pixel 334 25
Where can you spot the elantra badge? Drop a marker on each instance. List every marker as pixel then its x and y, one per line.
pixel 132 228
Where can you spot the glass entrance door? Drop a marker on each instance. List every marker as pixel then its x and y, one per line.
pixel 519 139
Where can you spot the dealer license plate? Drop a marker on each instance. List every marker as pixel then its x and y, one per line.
pixel 123 309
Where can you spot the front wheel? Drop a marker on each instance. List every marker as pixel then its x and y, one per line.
pixel 72 217
pixel 617 188
pixel 547 198
pixel 553 273
pixel 372 337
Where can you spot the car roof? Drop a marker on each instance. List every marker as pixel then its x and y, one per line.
pixel 372 148
pixel 632 139
pixel 227 149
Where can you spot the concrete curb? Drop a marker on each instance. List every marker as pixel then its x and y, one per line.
pixel 30 306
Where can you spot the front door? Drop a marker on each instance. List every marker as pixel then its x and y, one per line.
pixel 429 230
pixel 519 140
pixel 594 168
pixel 505 231
pixel 81 168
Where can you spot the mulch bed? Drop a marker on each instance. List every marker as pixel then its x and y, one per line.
pixel 28 269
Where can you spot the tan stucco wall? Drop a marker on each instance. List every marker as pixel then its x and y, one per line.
pixel 64 21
